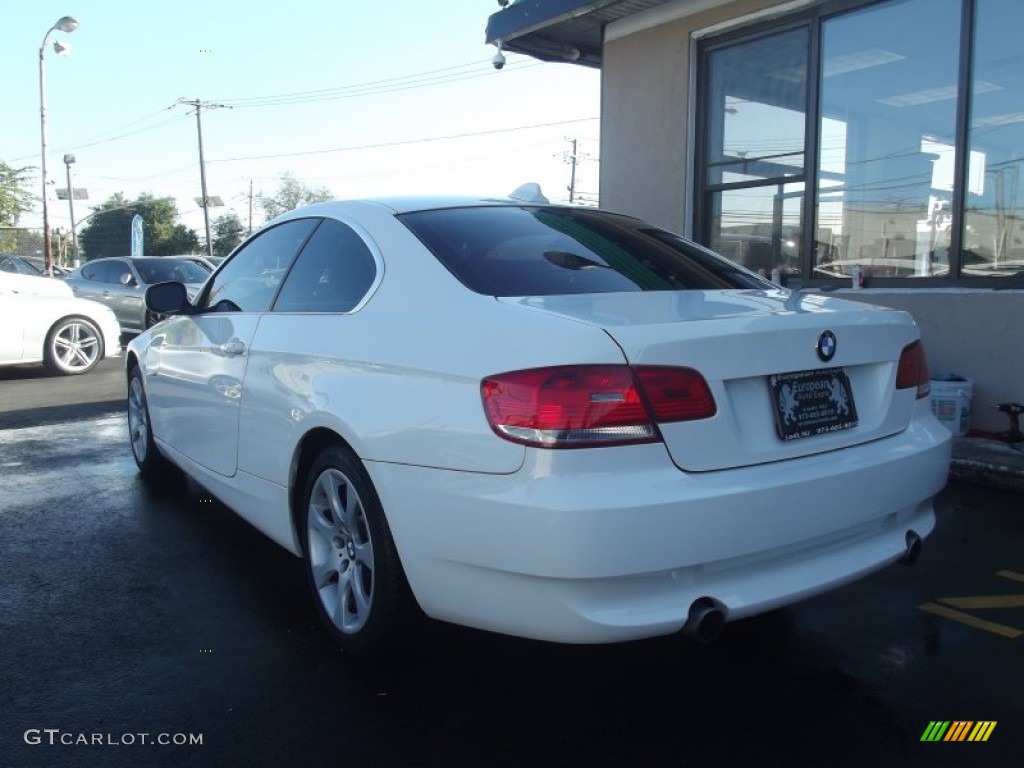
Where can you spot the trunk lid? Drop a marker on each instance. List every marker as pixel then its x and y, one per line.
pixel 739 340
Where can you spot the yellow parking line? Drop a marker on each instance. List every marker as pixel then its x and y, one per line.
pixel 972 621
pixel 984 601
pixel 1011 575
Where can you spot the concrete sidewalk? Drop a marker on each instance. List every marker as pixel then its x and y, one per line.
pixel 988 462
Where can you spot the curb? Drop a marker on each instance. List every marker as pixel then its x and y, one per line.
pixel 987 462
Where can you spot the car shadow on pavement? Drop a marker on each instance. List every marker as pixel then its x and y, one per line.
pixel 56 414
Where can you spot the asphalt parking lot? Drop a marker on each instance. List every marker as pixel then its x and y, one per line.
pixel 124 612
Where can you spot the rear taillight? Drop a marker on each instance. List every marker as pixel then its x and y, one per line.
pixel 913 370
pixel 578 406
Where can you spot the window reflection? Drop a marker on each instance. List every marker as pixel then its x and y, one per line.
pixel 993 237
pixel 756 101
pixel 886 141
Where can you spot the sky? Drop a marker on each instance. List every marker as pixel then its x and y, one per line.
pixel 364 98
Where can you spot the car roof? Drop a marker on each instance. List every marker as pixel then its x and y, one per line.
pixel 407 204
pixel 137 259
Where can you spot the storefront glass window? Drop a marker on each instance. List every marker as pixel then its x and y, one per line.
pixel 755 150
pixel 993 237
pixel 886 144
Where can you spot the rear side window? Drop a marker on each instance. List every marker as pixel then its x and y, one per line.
pixel 544 251
pixel 333 272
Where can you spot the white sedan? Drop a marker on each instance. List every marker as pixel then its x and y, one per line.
pixel 41 321
pixel 548 421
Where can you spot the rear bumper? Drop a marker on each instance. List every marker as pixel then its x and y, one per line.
pixel 615 544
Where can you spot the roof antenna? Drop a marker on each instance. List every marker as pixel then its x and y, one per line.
pixel 529 193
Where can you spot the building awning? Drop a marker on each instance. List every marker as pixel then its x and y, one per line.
pixel 560 30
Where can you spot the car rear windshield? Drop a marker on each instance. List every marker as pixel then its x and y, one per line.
pixel 545 251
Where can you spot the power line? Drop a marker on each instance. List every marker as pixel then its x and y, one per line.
pixel 405 142
pixel 370 88
pixel 374 87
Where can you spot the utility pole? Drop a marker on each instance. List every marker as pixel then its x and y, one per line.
pixel 572 158
pixel 250 206
pixel 202 164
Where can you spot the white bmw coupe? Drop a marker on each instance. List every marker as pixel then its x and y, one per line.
pixel 548 421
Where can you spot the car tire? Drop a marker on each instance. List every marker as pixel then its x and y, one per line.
pixel 352 566
pixel 152 464
pixel 74 345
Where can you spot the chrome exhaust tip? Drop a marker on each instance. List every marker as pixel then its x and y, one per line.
pixel 914 544
pixel 705 620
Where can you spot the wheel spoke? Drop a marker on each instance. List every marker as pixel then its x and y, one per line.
pixel 333 491
pixel 63 349
pixel 138 428
pixel 324 573
pixel 364 554
pixel 361 595
pixel 353 510
pixel 318 522
pixel 342 615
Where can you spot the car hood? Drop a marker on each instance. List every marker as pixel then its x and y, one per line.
pixel 34 285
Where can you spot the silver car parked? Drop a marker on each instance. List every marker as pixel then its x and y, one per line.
pixel 121 283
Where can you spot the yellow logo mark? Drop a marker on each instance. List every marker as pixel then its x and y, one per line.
pixel 958 730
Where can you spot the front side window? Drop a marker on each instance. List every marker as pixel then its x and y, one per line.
pixel 541 251
pixel 105 271
pixel 249 281
pixel 170 270
pixel 333 272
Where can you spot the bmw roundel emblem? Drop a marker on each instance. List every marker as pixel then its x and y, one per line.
pixel 826 346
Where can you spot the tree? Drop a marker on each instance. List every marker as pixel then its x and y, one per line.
pixel 109 232
pixel 290 194
pixel 227 233
pixel 15 199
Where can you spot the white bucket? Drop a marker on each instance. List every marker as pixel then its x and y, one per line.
pixel 951 403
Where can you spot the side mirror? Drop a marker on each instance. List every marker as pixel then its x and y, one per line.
pixel 168 299
pixel 127 279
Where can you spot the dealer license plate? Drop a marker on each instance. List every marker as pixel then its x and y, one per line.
pixel 812 402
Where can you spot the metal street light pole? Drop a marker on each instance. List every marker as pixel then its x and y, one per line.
pixel 65 24
pixel 68 160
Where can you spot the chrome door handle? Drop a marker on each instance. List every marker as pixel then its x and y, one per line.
pixel 232 348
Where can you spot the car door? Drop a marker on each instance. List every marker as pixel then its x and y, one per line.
pixel 197 363
pixel 126 299
pixel 335 273
pixel 100 281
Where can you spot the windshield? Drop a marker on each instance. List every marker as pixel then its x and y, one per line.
pixel 543 251
pixel 167 270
